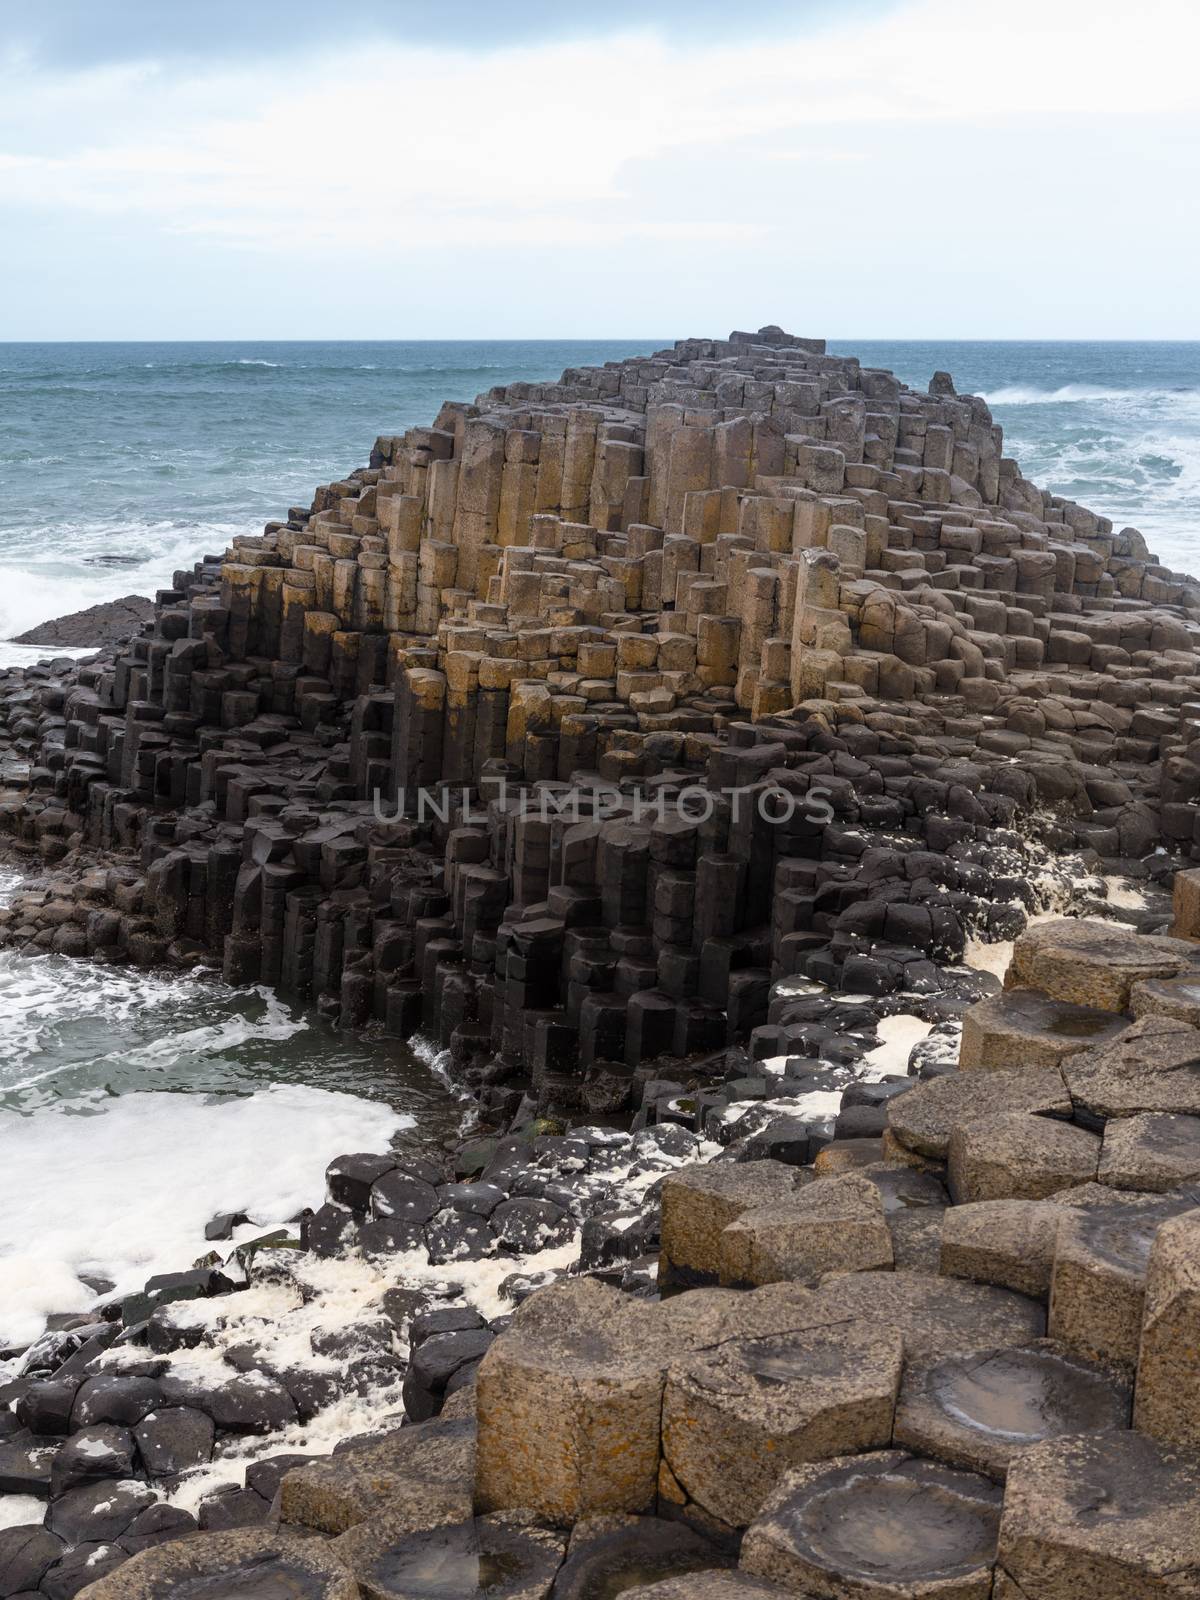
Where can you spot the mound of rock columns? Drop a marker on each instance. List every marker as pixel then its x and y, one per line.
pixel 656 743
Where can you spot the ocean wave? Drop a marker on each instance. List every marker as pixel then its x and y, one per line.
pixel 1017 394
pixel 53 570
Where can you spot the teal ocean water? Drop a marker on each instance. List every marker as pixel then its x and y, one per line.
pixel 134 1105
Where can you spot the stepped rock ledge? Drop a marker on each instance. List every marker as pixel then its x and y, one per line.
pixel 780 813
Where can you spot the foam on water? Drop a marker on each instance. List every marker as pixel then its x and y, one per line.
pixel 122 1188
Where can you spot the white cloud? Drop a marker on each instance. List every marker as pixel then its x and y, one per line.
pixel 388 149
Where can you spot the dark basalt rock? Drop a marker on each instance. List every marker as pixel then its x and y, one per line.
pixel 80 1568
pixel 91 1455
pixel 156 1525
pixel 253 1403
pixel 99 1512
pixel 120 1400
pixel 174 1439
pixel 46 1405
pixel 110 622
pixel 232 1508
pixel 435 1362
pixel 26 1466
pixel 26 1554
pixel 398 1198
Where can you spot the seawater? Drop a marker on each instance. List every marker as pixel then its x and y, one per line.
pixel 134 1105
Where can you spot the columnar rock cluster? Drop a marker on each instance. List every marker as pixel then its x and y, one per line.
pixel 575 719
pixel 656 741
pixel 954 1360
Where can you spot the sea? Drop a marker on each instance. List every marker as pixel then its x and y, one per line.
pixel 134 1106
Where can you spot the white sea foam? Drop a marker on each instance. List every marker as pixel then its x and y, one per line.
pixel 46 573
pixel 123 1188
pixel 1019 394
pixel 21 1510
pixel 897 1037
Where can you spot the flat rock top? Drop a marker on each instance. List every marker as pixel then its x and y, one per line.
pixel 1153 1066
pixel 887 1517
pixel 935 1315
pixel 925 1117
pixel 241 1564
pixel 1089 962
pixel 110 622
pixel 1119 1494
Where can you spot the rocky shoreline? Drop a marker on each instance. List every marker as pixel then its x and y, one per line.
pixel 668 746
pixel 111 622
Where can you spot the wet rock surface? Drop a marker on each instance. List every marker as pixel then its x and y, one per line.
pixel 885 1524
pixel 980 1411
pixel 110 622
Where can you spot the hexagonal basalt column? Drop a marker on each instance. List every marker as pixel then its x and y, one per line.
pixel 1006 1242
pixel 736 1417
pixel 878 1527
pixel 1102 1254
pixel 933 1315
pixel 698 1204
pixel 1089 962
pixel 1153 1066
pixel 1155 1151
pixel 980 1411
pixel 568 1404
pixel 835 1225
pixel 1025 1030
pixel 245 1561
pixel 1110 1516
pixel 924 1119
pixel 1019 1157
pixel 1168 1378
pixel 504 1556
pixel 709 1586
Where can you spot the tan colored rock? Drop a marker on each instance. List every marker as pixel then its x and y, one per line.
pixel 1023 1029
pixel 568 1402
pixel 464 1559
pixel 833 1225
pixel 709 1586
pixel 934 1315
pixel 878 1527
pixel 1177 998
pixel 981 1411
pixel 1089 962
pixel 1155 1151
pixel 429 1469
pixel 1010 1243
pixel 735 1417
pixel 1101 1258
pixel 1186 905
pixel 1018 1157
pixel 1153 1066
pixel 1168 1378
pixel 924 1118
pixel 698 1204
pixel 1108 1516
pixel 239 1561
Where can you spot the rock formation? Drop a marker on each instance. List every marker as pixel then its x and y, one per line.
pixel 110 622
pixel 652 741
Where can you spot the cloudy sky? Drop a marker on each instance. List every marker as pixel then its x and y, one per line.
pixel 383 168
